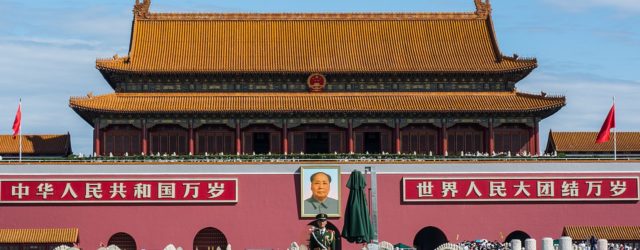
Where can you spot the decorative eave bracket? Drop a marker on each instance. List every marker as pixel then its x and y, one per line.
pixel 483 7
pixel 141 10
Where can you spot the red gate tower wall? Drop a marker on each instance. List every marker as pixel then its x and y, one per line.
pixel 267 212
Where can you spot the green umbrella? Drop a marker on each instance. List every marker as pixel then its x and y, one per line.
pixel 401 246
pixel 357 223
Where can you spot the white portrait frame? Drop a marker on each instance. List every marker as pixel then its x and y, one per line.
pixel 334 192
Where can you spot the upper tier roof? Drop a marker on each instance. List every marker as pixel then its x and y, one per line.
pixel 314 42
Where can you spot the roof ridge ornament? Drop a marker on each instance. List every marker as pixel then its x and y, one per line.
pixel 141 10
pixel 483 7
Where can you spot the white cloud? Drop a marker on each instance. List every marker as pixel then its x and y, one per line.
pixel 48 41
pixel 620 5
pixel 46 60
pixel 589 98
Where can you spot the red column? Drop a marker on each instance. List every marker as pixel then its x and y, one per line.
pixel 350 132
pixel 537 137
pixel 238 143
pixel 145 150
pixel 532 140
pixel 96 137
pixel 285 138
pixel 492 145
pixel 444 141
pixel 191 140
pixel 397 136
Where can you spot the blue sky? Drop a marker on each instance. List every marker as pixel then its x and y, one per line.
pixel 587 50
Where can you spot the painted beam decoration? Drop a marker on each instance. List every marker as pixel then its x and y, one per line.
pixel 161 190
pixel 505 189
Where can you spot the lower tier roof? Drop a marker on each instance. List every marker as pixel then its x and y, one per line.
pixel 36 145
pixel 326 102
pixel 622 233
pixel 586 142
pixel 34 236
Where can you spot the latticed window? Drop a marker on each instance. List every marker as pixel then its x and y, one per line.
pixel 421 139
pixel 215 143
pixel 467 138
pixel 215 139
pixel 511 138
pixel 372 138
pixel 168 139
pixel 121 139
pixel 316 139
pixel 262 139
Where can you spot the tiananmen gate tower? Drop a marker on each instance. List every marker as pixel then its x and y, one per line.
pixel 296 83
pixel 218 123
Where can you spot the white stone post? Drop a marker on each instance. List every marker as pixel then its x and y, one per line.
pixel 566 243
pixel 547 244
pixel 602 244
pixel 294 246
pixel 530 244
pixel 516 244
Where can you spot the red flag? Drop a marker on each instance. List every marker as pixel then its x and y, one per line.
pixel 609 123
pixel 16 122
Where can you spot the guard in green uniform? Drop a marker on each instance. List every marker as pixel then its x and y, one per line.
pixel 321 237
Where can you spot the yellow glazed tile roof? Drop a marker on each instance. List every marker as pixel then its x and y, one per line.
pixel 295 42
pixel 586 142
pixel 316 102
pixel 50 235
pixel 630 233
pixel 35 144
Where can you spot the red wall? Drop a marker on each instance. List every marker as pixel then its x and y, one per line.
pixel 484 220
pixel 267 216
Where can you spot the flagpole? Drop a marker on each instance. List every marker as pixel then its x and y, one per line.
pixel 615 142
pixel 20 131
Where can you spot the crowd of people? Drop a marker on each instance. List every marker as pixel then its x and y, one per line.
pixel 483 245
pixel 620 246
pixel 611 246
pixel 586 245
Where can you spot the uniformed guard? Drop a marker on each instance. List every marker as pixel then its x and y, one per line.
pixel 321 237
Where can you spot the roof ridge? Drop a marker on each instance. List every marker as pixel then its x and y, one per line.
pixel 516 57
pixel 141 12
pixel 592 132
pixel 310 16
pixel 35 135
pixel 230 94
pixel 541 95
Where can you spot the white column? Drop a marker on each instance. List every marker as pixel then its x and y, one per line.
pixel 516 244
pixel 602 244
pixel 547 244
pixel 566 243
pixel 530 244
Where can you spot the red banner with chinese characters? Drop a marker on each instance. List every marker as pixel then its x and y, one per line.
pixel 497 189
pixel 205 190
